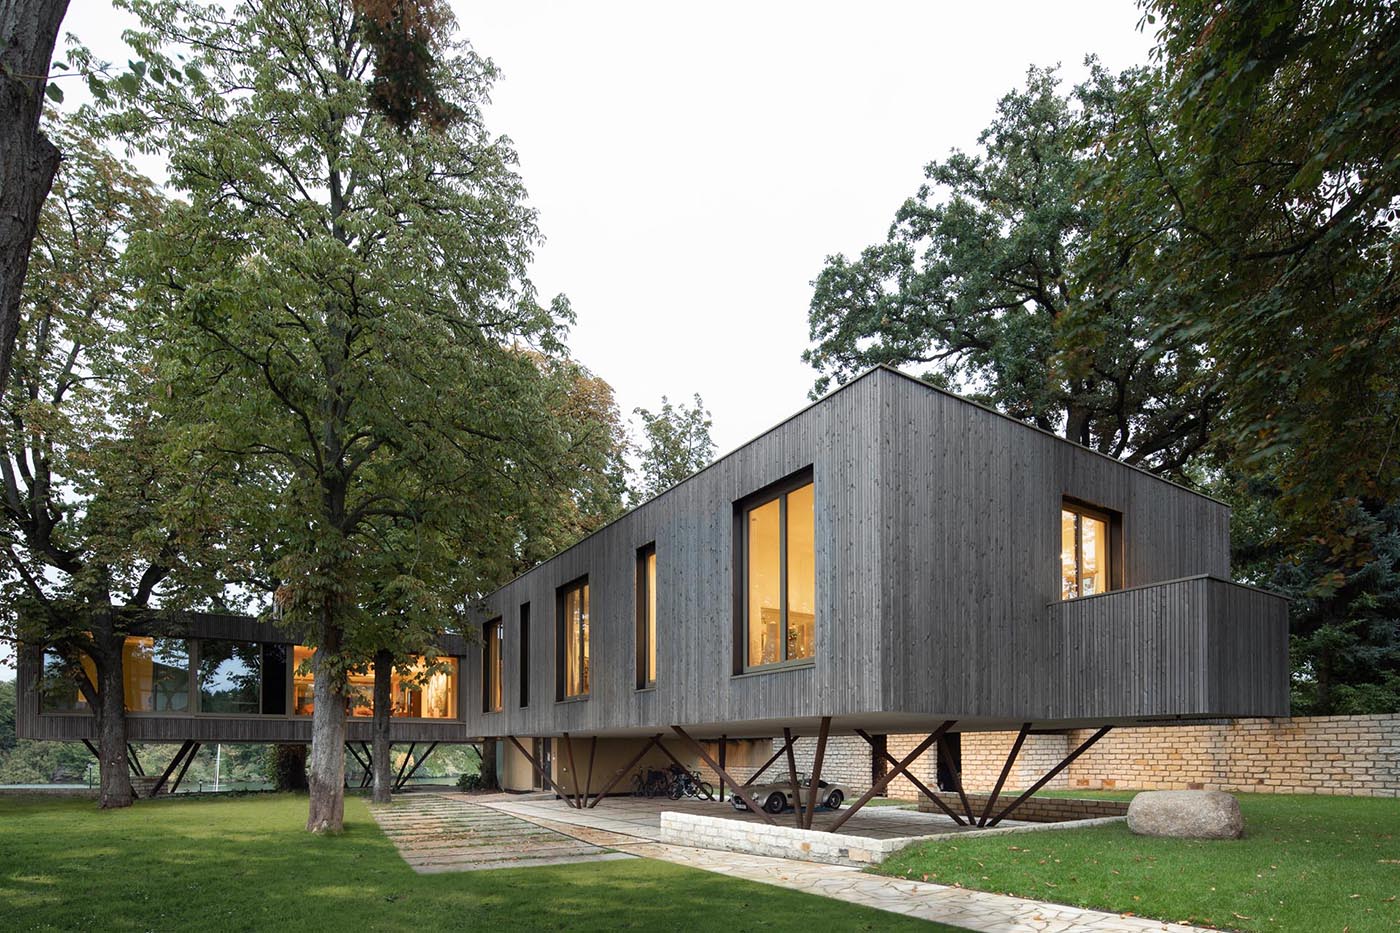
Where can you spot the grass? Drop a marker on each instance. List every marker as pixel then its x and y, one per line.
pixel 1306 863
pixel 246 864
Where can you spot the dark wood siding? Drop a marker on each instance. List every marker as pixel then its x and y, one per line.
pixel 971 503
pixel 937 555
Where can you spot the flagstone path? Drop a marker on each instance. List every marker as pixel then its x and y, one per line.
pixel 544 840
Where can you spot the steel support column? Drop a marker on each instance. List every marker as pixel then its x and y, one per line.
pixel 1005 771
pixel 724 775
pixel 888 759
pixel 185 749
pixel 792 778
pixel 899 768
pixel 1069 759
pixel 399 784
pixel 816 775
pixel 539 769
pixel 618 775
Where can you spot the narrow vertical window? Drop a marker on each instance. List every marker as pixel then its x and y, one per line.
pixel 646 616
pixel 492 668
pixel 523 649
pixel 1085 551
pixel 573 641
pixel 779 576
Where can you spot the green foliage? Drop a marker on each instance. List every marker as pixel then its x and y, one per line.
pixel 470 780
pixel 7 715
pixel 348 316
pixel 243 864
pixel 675 443
pixel 987 276
pixel 1276 177
pixel 1305 863
pixel 286 766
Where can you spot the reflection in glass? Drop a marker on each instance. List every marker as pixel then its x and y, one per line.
pixel 765 583
pixel 575 632
pixel 651 616
pixel 58 691
pixel 156 675
pixel 493 666
pixel 230 677
pixel 801 573
pixel 781 567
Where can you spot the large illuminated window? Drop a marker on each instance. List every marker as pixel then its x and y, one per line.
pixel 646 616
pixel 415 691
pixel 1085 551
pixel 492 666
pixel 573 641
pixel 779 577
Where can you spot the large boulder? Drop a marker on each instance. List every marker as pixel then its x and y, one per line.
pixel 1187 814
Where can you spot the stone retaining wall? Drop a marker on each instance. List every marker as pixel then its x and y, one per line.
pixel 710 832
pixel 1344 755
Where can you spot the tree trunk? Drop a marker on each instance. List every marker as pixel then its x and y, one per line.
pixel 28 161
pixel 383 712
pixel 325 776
pixel 488 764
pixel 115 776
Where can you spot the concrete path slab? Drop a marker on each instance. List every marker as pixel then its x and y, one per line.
pixel 631 830
pixel 442 833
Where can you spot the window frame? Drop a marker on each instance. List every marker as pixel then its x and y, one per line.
pixel 1113 547
pixel 561 658
pixel 493 669
pixel 773 491
pixel 646 622
pixel 522 642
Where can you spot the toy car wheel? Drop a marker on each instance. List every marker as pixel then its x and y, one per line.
pixel 775 803
pixel 835 800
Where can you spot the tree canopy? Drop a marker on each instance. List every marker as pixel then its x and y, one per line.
pixel 675 443
pixel 348 307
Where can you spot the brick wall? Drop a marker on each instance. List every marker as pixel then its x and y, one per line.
pixel 1347 755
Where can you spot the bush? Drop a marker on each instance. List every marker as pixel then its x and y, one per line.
pixel 286 766
pixel 469 782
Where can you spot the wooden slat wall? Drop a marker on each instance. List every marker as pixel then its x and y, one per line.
pixel 971 505
pixel 1194 647
pixel 937 595
pixel 693 527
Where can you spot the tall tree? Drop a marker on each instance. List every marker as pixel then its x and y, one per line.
pixel 28 159
pixel 93 533
pixel 675 443
pixel 1276 150
pixel 346 296
pixel 1266 166
pixel 984 276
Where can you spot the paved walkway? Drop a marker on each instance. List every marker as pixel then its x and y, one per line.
pixel 641 817
pixel 438 833
pixel 972 910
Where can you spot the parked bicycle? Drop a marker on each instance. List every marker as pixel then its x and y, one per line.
pixel 688 784
pixel 649 782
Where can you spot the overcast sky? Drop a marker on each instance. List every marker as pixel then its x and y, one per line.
pixel 693 166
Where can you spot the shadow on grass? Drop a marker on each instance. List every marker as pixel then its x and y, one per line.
pixel 247 864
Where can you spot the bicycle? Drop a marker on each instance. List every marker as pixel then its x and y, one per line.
pixel 648 782
pixel 687 784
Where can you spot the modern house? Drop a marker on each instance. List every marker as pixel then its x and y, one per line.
pixel 891 559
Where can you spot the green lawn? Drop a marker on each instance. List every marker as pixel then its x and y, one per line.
pixel 1305 864
pixel 245 864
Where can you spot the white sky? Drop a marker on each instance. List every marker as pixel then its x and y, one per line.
pixel 693 167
